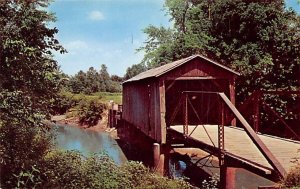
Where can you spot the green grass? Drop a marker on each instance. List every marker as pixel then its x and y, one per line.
pixel 103 97
pixel 106 97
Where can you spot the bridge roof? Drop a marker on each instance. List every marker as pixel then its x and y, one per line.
pixel 156 72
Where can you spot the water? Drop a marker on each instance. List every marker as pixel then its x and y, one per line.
pixel 243 179
pixel 88 142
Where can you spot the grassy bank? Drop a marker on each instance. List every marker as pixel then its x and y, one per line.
pixel 88 109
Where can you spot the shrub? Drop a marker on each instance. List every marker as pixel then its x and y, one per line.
pixel 89 112
pixel 69 169
pixel 22 148
pixel 292 180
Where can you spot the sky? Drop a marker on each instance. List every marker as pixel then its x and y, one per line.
pixel 96 32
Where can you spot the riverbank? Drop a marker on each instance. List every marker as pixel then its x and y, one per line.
pixel 101 126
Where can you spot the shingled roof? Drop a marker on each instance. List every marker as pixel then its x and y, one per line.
pixel 156 72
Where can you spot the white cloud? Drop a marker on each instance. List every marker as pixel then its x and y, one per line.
pixel 96 15
pixel 75 47
pixel 77 44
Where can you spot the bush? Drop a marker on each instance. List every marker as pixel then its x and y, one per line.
pixel 292 180
pixel 62 103
pixel 89 112
pixel 22 149
pixel 69 169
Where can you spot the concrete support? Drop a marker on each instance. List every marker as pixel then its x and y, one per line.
pixel 227 177
pixel 160 159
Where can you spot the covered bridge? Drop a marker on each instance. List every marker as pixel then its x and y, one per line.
pixel 150 98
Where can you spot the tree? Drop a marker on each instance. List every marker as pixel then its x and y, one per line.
pixel 26 51
pixel 29 82
pixel 116 78
pixel 104 78
pixel 260 39
pixel 93 80
pixel 134 70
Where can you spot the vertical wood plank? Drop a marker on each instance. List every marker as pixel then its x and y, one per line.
pixel 232 96
pixel 163 130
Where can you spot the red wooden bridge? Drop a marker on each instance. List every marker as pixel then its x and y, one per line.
pixel 191 103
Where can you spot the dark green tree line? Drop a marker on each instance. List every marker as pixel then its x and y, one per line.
pixel 93 81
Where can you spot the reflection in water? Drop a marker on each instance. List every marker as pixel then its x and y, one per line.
pixel 243 179
pixel 177 168
pixel 88 142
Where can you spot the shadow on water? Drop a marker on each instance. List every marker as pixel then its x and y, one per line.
pixel 88 142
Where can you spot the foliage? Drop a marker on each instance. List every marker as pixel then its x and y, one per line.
pixel 92 81
pixel 29 80
pixel 69 102
pixel 212 183
pixel 99 171
pixel 260 39
pixel 25 51
pixel 134 70
pixel 292 179
pixel 141 177
pixel 69 169
pixel 22 146
pixel 88 108
pixel 63 103
pixel 90 112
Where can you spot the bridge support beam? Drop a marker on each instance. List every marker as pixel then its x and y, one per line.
pixel 227 177
pixel 160 159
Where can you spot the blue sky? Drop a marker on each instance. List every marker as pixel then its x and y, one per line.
pixel 107 32
pixel 96 32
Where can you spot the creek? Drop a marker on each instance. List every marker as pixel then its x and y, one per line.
pixel 88 142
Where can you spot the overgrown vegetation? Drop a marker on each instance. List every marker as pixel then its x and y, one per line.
pixel 90 112
pixel 292 180
pixel 88 108
pixel 69 169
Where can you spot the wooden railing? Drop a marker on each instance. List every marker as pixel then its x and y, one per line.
pixel 255 139
pixel 255 103
pixel 225 106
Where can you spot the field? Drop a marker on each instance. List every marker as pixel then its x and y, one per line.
pixel 106 97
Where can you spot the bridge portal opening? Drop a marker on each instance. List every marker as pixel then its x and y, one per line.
pixel 202 108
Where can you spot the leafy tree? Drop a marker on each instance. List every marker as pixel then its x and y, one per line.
pixel 116 78
pixel 258 38
pixel 93 80
pixel 90 111
pixel 29 81
pixel 78 83
pixel 134 70
pixel 104 78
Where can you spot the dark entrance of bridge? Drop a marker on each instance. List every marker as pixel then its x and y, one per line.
pixel 202 108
